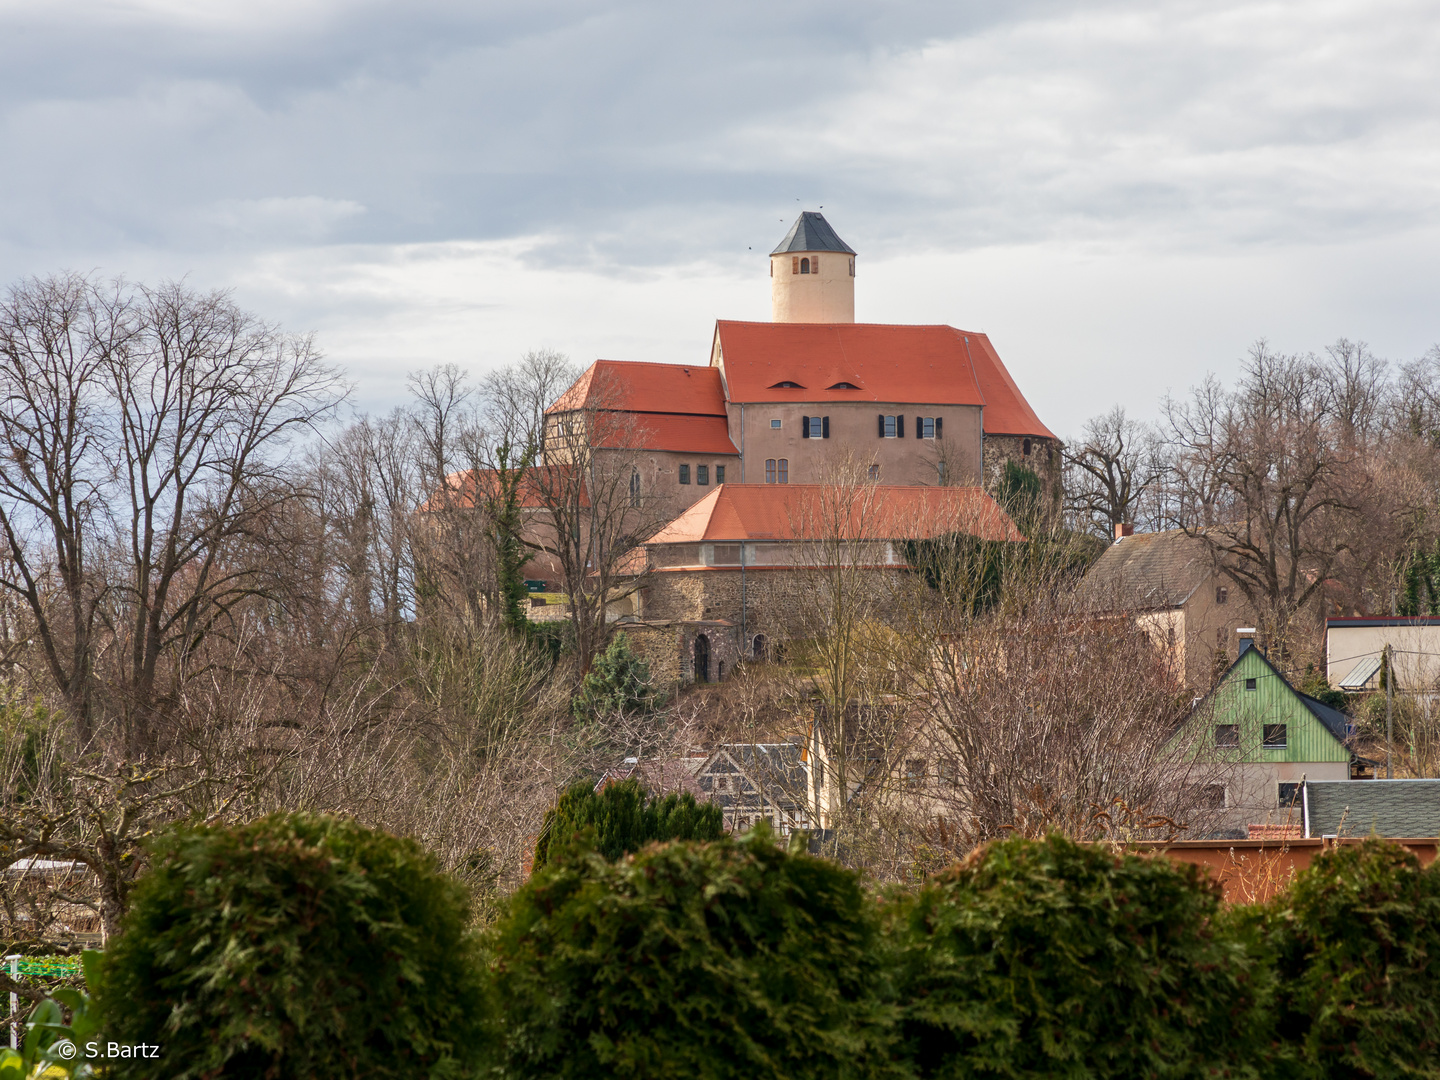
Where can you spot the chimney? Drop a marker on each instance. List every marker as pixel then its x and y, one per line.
pixel 1122 531
pixel 1247 638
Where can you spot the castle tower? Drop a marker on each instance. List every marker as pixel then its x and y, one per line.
pixel 812 274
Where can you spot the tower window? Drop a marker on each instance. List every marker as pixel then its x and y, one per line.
pixel 684 474
pixel 852 267
pixel 804 266
pixel 702 474
pixel 1025 448
pixel 794 264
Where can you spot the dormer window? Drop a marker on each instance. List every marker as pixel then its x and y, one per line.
pixel 843 386
pixel 787 385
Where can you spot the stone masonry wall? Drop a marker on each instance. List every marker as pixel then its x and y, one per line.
pixel 1044 460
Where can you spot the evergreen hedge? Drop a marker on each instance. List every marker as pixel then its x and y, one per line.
pixel 297 946
pixel 1060 959
pixel 1355 943
pixel 621 818
pixel 729 959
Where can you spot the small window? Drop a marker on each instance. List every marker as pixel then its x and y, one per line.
pixel 940 471
pixel 783 470
pixel 1025 448
pixel 684 474
pixel 1227 734
pixel 794 264
pixel 949 771
pixel 874 472
pixel 1212 797
pixel 1275 736
pixel 889 427
pixel 852 267
pixel 1289 796
pixel 914 772
pixel 769 470
pixel 634 487
pixel 702 474
pixel 774 423
pixel 1222 594
pixel 817 427
pixel 719 474
pixel 1250 684
pixel 804 266
pixel 722 783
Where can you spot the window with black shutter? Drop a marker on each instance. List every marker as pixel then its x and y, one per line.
pixel 824 427
pixel 882 425
pixel 939 423
pixel 899 427
pixel 804 427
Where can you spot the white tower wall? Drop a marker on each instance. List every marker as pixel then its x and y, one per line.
pixel 824 297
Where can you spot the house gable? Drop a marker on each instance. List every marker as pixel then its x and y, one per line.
pixel 1254 700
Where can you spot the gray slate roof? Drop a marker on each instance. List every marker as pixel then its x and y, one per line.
pixel 811 232
pixel 1147 570
pixel 1395 808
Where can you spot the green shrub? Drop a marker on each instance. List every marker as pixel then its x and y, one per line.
pixel 1060 959
pixel 1356 944
pixel 729 959
pixel 618 682
pixel 296 946
pixel 619 818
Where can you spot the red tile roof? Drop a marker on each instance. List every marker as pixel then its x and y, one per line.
pixel 461 488
pixel 869 512
pixel 901 364
pixel 676 433
pixel 637 386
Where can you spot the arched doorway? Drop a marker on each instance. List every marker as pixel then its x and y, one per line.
pixel 759 648
pixel 702 658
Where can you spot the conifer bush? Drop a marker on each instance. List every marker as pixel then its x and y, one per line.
pixel 621 818
pixel 1356 945
pixel 729 959
pixel 1060 959
pixel 297 946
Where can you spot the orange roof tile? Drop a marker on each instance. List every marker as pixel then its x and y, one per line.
pixel 462 488
pixel 676 433
pixel 901 364
pixel 637 386
pixel 804 511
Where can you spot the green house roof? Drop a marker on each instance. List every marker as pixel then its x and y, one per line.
pixel 1243 717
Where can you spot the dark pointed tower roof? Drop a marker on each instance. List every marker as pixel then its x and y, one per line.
pixel 811 232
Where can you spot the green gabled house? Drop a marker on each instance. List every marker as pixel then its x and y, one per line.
pixel 1269 736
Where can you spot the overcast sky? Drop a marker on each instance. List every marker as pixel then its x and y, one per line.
pixel 1123 195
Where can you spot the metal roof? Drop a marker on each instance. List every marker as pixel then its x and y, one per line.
pixel 811 232
pixel 1361 674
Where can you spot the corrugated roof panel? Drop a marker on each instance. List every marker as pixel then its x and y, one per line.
pixel 1361 674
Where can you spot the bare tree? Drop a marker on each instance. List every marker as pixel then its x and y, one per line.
pixel 1111 470
pixel 139 456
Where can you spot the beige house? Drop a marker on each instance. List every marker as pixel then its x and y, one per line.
pixel 1169 583
pixel 1354 649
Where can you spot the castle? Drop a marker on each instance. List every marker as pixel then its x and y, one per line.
pixel 919 405
pixel 737 453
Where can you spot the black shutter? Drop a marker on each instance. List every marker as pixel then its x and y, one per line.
pixel 900 425
pixel 939 426
pixel 919 427
pixel 825 427
pixel 804 427
pixel 882 425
